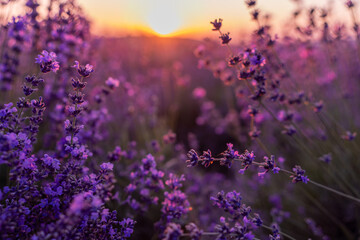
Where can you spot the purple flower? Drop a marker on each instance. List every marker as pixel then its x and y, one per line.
pixel 349 136
pixel 116 154
pixel 206 158
pixel 59 190
pixel 223 229
pixel 27 90
pixel 195 232
pixel 318 106
pixel 112 83
pixel 217 24
pixel 169 138
pixel 289 130
pixel 225 38
pixel 246 160
pixel 155 146
pixel 275 235
pixel 316 230
pixel 84 71
pixel 127 227
pixel 107 166
pixel 255 14
pixel 268 165
pixel 172 232
pixel 175 203
pixel 12 140
pixel 33 80
pixel 199 93
pixel 29 163
pixel 193 158
pixel 250 3
pixel 146 179
pixel 241 232
pixel 174 182
pixel 47 62
pixel 229 155
pixel 299 175
pixel 84 201
pixel 78 84
pixel 52 162
pixel 350 4
pixel 231 203
pixel 326 158
pixel 234 61
pixel 254 133
pixel 148 163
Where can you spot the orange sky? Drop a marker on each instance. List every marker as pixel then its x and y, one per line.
pixel 188 18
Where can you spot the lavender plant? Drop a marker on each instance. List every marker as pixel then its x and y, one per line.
pixel 48 196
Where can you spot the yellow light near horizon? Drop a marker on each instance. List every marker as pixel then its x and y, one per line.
pixel 163 17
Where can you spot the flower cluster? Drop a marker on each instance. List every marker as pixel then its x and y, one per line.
pixel 229 155
pixel 175 204
pixel 247 159
pixel 52 195
pixel 47 62
pixel 147 180
pixel 217 24
pixel 206 158
pixel 269 165
pixel 299 175
pixel 84 71
pixel 17 35
pixel 243 223
pixel 174 207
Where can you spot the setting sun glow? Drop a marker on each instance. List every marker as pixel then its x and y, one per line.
pixel 163 17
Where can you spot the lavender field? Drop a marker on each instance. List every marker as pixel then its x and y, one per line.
pixel 148 137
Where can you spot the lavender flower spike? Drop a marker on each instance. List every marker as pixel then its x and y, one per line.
pixel 299 175
pixel 84 71
pixel 47 61
pixel 217 24
pixel 107 166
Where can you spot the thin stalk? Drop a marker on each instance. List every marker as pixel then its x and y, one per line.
pixel 20 114
pixel 310 181
pixel 327 188
pixel 74 120
pixel 203 234
pixel 263 146
pixel 327 213
pixel 353 17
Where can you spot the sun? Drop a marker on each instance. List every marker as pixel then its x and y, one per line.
pixel 163 17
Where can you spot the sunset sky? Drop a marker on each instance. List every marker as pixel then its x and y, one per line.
pixel 188 18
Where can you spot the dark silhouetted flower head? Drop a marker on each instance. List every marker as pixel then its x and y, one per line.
pixel 217 24
pixel 225 38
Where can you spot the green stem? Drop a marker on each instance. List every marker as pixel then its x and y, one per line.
pixel 335 191
pixel 327 213
pixel 327 188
